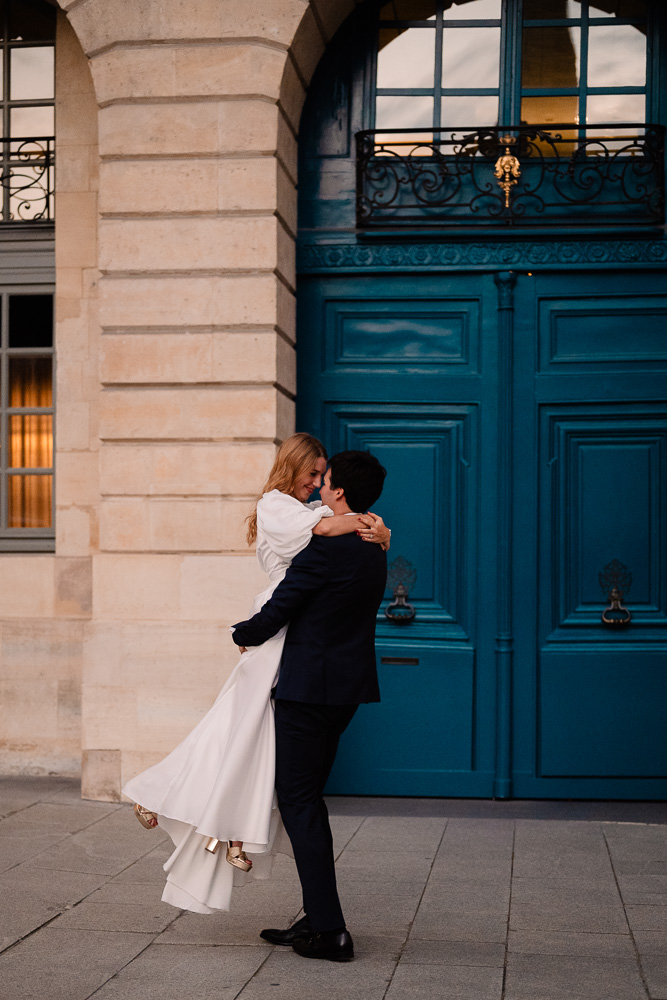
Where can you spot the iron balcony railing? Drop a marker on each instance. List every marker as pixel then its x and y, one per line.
pixel 527 175
pixel 28 179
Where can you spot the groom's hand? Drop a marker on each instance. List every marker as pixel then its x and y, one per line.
pixel 243 649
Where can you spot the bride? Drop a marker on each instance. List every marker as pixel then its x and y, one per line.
pixel 218 784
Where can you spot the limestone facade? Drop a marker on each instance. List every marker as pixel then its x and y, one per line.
pixel 177 128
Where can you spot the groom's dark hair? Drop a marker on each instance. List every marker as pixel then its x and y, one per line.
pixel 360 476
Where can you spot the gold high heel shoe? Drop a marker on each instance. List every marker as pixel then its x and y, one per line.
pixel 145 816
pixel 235 856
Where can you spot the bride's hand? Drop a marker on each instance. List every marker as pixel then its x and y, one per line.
pixel 375 530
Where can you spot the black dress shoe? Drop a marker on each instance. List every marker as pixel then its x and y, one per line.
pixel 335 946
pixel 298 930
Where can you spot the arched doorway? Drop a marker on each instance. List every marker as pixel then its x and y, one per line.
pixel 503 362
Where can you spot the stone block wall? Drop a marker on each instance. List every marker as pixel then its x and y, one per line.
pixel 46 600
pixel 176 299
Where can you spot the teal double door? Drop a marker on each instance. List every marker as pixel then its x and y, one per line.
pixel 519 420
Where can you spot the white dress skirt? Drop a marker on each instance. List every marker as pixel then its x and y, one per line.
pixel 219 782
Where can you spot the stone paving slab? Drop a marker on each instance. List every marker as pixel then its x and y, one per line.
pixel 431 982
pixel 223 928
pixel 462 953
pixel 185 971
pixel 286 976
pixel 655 970
pixel 66 964
pixel 589 944
pixel 650 942
pixel 446 900
pixel 54 817
pixel 17 793
pixel 22 847
pixel 560 977
pixel 29 899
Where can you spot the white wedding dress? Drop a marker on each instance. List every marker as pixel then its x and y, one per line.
pixel 219 782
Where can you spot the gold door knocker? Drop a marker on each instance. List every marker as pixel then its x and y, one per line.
pixel 507 169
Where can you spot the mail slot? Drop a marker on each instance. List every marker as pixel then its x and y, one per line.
pixel 401 661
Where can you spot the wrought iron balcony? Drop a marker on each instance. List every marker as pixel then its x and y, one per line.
pixel 28 168
pixel 527 175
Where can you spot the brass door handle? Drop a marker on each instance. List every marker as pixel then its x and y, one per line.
pixel 616 614
pixel 400 610
pixel 615 580
pixel 401 577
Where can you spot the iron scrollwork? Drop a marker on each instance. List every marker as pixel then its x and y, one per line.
pixel 401 579
pixel 28 179
pixel 600 175
pixel 615 580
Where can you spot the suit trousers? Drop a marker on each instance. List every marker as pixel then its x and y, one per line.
pixel 306 743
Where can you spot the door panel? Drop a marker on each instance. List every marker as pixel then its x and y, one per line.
pixel 402 335
pixel 605 496
pixel 393 364
pixel 589 706
pixel 598 714
pixel 428 498
pixel 588 335
pixel 409 745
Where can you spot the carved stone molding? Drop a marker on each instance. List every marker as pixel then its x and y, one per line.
pixel 480 255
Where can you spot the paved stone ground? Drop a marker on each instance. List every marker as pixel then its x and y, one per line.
pixel 445 899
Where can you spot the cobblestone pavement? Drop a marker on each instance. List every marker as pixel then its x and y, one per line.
pixel 445 899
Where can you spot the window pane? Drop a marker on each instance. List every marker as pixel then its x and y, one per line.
pixel 550 57
pixel 31 73
pixel 29 501
pixel 30 320
pixel 30 122
pixel 616 56
pixel 472 10
pixel 408 10
pixel 550 110
pixel 470 57
pixel 550 10
pixel 31 441
pixel 615 108
pixel 30 382
pixel 473 111
pixel 618 8
pixel 404 112
pixel 406 58
pixel 31 21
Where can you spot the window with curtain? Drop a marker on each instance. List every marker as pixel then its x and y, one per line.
pixel 26 418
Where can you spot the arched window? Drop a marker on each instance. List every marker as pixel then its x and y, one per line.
pixel 552 98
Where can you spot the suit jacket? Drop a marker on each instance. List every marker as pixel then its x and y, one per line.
pixel 330 596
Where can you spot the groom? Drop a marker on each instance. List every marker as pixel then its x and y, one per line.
pixel 330 596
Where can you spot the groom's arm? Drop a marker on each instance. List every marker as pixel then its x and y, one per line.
pixel 308 573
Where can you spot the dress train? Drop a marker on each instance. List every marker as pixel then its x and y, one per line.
pixel 219 781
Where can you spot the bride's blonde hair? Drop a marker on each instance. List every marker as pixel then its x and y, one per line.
pixel 294 460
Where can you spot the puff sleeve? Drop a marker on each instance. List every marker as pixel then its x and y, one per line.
pixel 286 523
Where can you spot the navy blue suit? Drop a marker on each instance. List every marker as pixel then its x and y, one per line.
pixel 330 596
